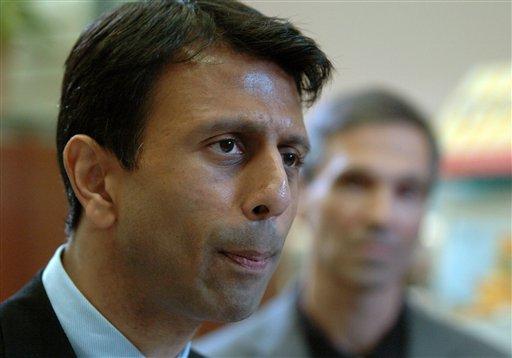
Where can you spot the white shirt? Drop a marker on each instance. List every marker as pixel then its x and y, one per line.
pixel 88 331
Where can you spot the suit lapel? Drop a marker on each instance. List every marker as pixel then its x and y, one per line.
pixel 29 324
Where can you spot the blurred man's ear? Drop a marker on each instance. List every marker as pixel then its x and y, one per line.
pixel 304 200
pixel 89 167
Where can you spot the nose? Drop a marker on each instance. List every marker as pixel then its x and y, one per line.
pixel 267 188
pixel 380 208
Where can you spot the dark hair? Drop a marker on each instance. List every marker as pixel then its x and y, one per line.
pixel 371 106
pixel 113 66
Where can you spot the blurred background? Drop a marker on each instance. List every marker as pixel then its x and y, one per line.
pixel 451 58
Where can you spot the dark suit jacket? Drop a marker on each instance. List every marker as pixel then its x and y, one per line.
pixel 275 331
pixel 30 328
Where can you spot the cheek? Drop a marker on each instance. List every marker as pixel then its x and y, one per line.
pixel 408 221
pixel 339 214
pixel 170 208
pixel 329 227
pixel 285 221
pixel 196 192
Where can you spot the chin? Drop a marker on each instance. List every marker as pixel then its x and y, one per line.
pixel 239 313
pixel 234 311
pixel 366 280
pixel 369 285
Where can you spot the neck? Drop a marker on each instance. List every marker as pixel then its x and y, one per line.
pixel 92 267
pixel 354 319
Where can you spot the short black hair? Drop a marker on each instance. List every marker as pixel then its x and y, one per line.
pixel 112 68
pixel 359 108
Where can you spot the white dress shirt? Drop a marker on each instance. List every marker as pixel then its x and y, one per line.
pixel 88 331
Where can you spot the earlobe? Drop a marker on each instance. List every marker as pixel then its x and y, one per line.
pixel 87 167
pixel 100 212
pixel 303 201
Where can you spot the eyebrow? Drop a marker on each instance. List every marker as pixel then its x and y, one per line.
pixel 244 125
pixel 358 171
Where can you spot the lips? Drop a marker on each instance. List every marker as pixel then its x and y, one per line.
pixel 375 250
pixel 251 260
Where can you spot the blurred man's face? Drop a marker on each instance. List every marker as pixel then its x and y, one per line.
pixel 203 218
pixel 367 201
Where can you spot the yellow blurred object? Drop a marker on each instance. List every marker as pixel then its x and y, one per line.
pixel 494 293
pixel 475 125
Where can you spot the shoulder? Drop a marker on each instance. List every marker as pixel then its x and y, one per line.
pixel 194 354
pixel 266 333
pixel 20 308
pixel 28 325
pixel 435 336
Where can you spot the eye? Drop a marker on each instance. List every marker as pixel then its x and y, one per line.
pixel 227 146
pixel 291 159
pixel 354 181
pixel 411 191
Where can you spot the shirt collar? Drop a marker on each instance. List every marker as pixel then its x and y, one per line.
pixel 88 331
pixel 392 344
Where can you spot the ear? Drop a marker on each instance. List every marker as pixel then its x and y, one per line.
pixel 87 166
pixel 304 200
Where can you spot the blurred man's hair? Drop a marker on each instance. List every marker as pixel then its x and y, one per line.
pixel 371 106
pixel 112 68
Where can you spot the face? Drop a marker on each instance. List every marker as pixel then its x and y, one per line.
pixel 366 203
pixel 202 220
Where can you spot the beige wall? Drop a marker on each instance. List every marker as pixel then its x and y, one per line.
pixel 422 48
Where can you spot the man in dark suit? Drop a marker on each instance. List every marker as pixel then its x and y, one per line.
pixel 180 138
pixel 375 160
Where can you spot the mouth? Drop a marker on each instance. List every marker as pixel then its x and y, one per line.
pixel 375 250
pixel 248 259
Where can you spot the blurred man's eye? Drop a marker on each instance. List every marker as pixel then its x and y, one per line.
pixel 354 182
pixel 411 191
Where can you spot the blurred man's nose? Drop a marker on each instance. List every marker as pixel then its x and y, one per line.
pixel 267 193
pixel 380 207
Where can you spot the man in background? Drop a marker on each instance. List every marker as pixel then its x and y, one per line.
pixel 373 165
pixel 180 138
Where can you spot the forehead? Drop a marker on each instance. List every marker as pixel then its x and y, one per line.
pixel 223 83
pixel 393 149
